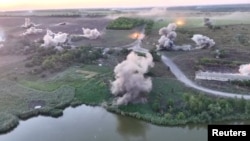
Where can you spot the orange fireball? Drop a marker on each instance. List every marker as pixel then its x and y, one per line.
pixel 136 35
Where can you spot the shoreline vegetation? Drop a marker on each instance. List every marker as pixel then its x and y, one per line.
pixel 192 108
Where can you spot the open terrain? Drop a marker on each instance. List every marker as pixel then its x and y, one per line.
pixel 47 84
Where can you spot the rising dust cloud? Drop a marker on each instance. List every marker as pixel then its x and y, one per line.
pixel 131 86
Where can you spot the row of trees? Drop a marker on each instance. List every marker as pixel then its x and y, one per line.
pixel 199 108
pixel 124 23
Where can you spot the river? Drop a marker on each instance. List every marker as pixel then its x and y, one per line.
pixel 86 123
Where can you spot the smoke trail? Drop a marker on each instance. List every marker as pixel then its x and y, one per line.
pixel 203 41
pixel 245 69
pixel 131 86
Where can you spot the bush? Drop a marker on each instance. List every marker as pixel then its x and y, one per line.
pixel 124 23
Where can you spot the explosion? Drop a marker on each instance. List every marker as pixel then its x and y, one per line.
pixel 53 39
pixel 168 35
pixel 91 33
pixel 28 23
pixel 245 69
pixel 2 38
pixel 136 35
pixel 203 41
pixel 180 22
pixel 32 30
pixel 131 86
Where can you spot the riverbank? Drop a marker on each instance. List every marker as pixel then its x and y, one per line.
pixel 170 103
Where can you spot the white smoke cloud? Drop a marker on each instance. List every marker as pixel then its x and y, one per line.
pixel 53 39
pixel 131 86
pixel 166 30
pixel 165 42
pixel 172 26
pixel 91 33
pixel 172 35
pixel 245 69
pixel 28 23
pixel 168 35
pixel 32 30
pixel 203 41
pixel 2 36
pixel 1 45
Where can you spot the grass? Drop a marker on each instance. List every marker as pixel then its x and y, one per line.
pixel 89 84
pixel 194 22
pixel 68 88
pixel 15 101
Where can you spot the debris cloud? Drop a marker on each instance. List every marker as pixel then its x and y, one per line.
pixel 28 23
pixel 203 41
pixel 168 35
pixel 54 39
pixel 32 30
pixel 245 69
pixel 91 33
pixel 2 36
pixel 131 86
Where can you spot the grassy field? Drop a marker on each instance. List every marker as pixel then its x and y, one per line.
pixel 18 101
pixel 232 38
pixel 86 84
pixel 191 21
pixel 169 103
pixel 89 90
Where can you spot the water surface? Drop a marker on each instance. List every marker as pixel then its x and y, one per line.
pixel 86 123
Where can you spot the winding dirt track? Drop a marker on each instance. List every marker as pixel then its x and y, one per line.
pixel 182 78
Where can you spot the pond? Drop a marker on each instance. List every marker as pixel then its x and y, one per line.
pixel 86 123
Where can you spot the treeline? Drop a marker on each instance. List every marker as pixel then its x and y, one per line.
pixel 189 109
pixel 52 60
pixel 124 23
pixel 66 15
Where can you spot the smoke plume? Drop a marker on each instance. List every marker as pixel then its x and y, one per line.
pixel 166 30
pixel 32 30
pixel 203 41
pixel 208 22
pixel 245 69
pixel 91 33
pixel 53 39
pixel 168 35
pixel 28 23
pixel 131 86
pixel 2 36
